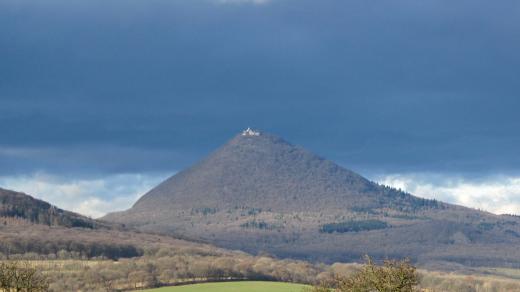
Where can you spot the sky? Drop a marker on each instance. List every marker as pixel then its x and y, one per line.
pixel 102 100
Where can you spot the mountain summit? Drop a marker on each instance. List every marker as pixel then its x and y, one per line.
pixel 264 171
pixel 260 193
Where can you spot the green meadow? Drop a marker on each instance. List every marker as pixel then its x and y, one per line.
pixel 244 286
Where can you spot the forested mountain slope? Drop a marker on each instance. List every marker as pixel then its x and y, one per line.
pixel 24 207
pixel 260 193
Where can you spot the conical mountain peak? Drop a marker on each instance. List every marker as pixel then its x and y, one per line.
pixel 262 170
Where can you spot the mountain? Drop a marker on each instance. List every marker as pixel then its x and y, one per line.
pixel 259 193
pixel 265 172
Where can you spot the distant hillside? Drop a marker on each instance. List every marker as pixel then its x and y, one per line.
pixel 24 207
pixel 260 193
pixel 35 228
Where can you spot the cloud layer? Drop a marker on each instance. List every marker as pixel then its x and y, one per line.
pixel 499 195
pixel 257 2
pixel 401 85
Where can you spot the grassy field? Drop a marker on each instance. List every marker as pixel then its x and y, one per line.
pixel 245 286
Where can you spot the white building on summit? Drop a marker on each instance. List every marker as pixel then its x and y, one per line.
pixel 250 132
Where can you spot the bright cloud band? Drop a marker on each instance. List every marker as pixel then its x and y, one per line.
pixel 500 195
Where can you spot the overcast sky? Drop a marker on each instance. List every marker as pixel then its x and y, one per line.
pixel 101 100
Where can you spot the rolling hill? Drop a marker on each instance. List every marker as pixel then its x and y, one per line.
pixel 259 193
pixel 21 206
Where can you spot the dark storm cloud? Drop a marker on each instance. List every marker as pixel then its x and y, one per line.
pixel 155 85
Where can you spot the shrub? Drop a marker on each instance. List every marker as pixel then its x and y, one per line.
pixel 21 277
pixel 392 276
